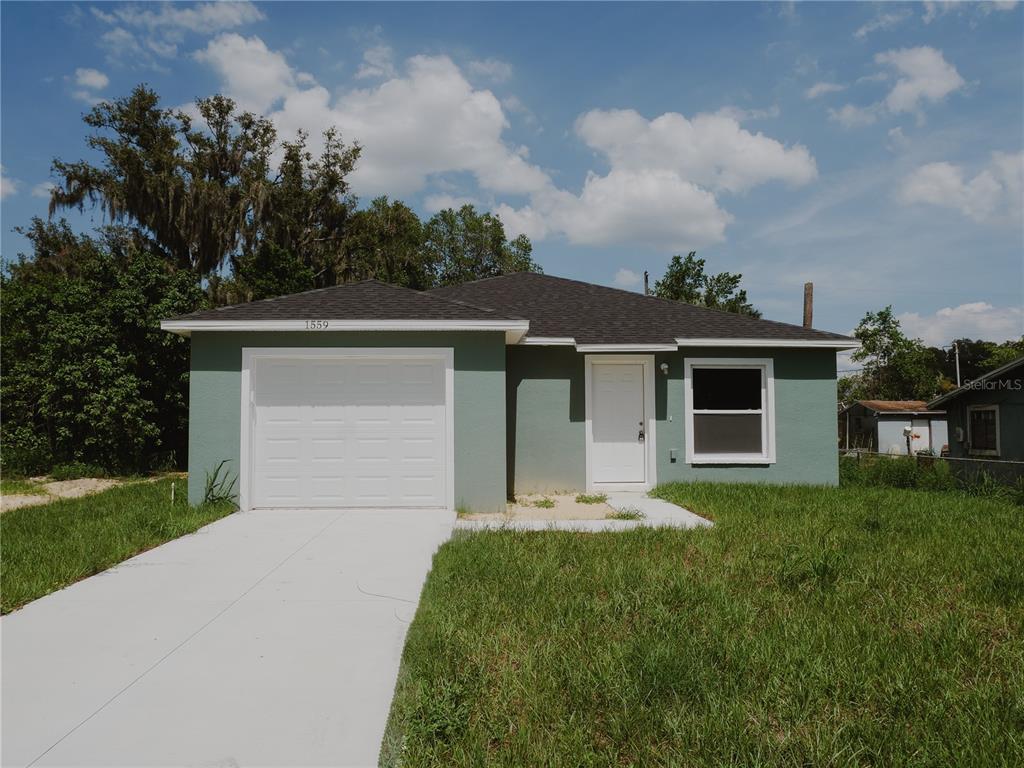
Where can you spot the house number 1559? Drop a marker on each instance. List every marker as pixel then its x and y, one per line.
pixel 316 325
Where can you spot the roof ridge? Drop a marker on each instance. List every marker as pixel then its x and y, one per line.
pixel 430 295
pixel 635 294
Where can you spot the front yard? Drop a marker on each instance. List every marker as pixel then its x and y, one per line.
pixel 811 626
pixel 46 547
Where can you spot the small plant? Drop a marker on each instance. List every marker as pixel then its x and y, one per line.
pixel 218 489
pixel 76 469
pixel 544 503
pixel 461 510
pixel 626 513
pixel 591 498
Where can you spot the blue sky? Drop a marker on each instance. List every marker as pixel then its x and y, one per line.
pixel 872 148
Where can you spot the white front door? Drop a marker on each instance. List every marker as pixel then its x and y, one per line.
pixel 619 424
pixel 348 432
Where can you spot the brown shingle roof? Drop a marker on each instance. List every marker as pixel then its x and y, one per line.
pixel 912 406
pixel 365 300
pixel 595 314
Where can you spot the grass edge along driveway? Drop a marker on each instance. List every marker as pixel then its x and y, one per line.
pixel 46 547
pixel 811 626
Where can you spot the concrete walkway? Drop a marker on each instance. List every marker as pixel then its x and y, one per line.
pixel 267 638
pixel 655 513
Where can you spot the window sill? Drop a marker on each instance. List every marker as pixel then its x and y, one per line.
pixel 725 458
pixel 988 454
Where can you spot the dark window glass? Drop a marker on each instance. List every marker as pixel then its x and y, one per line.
pixel 983 430
pixel 733 389
pixel 727 432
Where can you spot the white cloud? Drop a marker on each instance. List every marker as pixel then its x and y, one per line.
pixel 850 116
pixel 820 89
pixel 495 70
pixel 897 140
pixel 91 78
pixel 378 61
pixel 514 105
pixel 881 22
pixel 160 27
pixel 256 77
pixel 428 120
pixel 924 75
pixel 932 10
pixel 975 320
pixel 627 278
pixel 8 186
pixel 713 151
pixel 202 18
pixel 993 194
pixel 740 115
pixel 43 189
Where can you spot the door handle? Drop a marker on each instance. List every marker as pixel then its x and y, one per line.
pixel 641 437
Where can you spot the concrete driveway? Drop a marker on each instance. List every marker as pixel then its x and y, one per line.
pixel 267 638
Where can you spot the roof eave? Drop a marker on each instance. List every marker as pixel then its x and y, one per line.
pixel 514 329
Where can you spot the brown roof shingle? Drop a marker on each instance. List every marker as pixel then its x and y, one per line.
pixel 365 300
pixel 595 314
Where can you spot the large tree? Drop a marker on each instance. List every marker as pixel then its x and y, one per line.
pixel 894 367
pixel 88 374
pixel 204 189
pixel 385 241
pixel 686 280
pixel 465 245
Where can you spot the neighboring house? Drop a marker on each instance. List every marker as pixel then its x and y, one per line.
pixel 986 416
pixel 882 426
pixel 370 395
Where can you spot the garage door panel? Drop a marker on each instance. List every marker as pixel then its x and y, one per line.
pixel 348 432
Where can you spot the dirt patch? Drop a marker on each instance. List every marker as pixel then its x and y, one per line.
pixel 565 507
pixel 58 489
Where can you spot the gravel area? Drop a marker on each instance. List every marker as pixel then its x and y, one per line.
pixel 565 508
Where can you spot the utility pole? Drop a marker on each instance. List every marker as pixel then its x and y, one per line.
pixel 956 354
pixel 808 305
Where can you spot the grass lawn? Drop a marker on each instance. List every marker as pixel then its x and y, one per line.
pixel 810 626
pixel 18 486
pixel 46 547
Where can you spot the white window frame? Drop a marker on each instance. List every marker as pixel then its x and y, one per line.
pixel 650 421
pixel 250 354
pixel 970 438
pixel 767 410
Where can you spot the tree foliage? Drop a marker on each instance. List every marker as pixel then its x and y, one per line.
pixel 203 190
pixel 464 245
pixel 894 366
pixel 88 374
pixel 686 280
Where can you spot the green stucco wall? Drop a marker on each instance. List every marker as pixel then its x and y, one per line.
pixel 215 407
pixel 546 419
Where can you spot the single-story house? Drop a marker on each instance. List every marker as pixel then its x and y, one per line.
pixel 371 395
pixel 883 426
pixel 986 416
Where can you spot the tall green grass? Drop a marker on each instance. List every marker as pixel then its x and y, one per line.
pixel 49 546
pixel 809 627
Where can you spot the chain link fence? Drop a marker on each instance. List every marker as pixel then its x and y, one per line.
pixel 969 470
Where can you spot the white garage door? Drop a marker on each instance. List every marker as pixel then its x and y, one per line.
pixel 348 432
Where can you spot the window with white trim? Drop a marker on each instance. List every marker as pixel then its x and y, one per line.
pixel 983 429
pixel 729 411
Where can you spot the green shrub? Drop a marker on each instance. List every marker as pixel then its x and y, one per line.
pixel 76 469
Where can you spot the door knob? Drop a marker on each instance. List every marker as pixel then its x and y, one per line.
pixel 641 437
